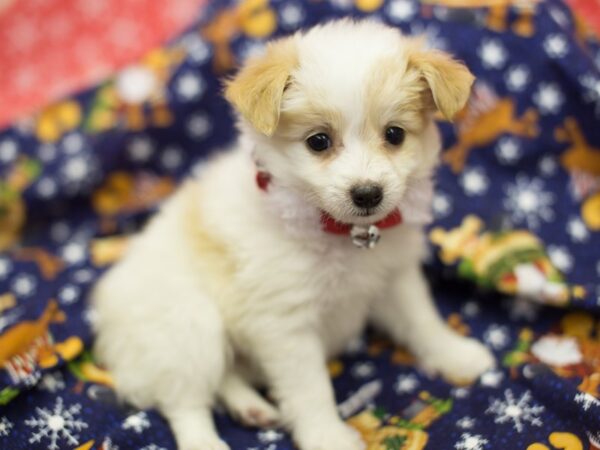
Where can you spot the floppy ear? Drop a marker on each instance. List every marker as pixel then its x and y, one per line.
pixel 449 80
pixel 257 89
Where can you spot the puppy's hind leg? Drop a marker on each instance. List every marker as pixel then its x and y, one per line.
pixel 194 429
pixel 245 404
pixel 168 356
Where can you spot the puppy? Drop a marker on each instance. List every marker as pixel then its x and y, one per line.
pixel 253 274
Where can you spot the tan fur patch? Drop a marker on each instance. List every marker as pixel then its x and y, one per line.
pixel 310 117
pixel 396 95
pixel 213 257
pixel 449 80
pixel 257 90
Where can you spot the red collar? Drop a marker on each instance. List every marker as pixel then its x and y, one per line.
pixel 330 225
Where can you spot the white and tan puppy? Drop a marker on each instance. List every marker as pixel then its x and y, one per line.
pixel 238 283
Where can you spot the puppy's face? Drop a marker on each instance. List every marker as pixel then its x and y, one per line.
pixel 343 114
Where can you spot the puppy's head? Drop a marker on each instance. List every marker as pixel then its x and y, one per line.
pixel 343 114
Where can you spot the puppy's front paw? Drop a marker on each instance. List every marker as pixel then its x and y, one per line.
pixel 337 436
pixel 459 360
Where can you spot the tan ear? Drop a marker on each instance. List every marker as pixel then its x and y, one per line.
pixel 257 89
pixel 449 80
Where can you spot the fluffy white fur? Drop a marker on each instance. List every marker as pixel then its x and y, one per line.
pixel 230 287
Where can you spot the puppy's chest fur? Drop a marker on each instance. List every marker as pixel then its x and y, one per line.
pixel 258 266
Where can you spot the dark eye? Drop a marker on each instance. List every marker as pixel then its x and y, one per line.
pixel 319 142
pixel 394 135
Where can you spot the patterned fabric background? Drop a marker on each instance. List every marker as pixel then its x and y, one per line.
pixel 517 227
pixel 50 48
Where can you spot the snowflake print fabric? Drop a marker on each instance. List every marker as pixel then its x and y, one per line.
pixel 514 259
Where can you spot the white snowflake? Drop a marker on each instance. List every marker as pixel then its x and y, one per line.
pixel 528 202
pixel 90 315
pixel 577 230
pixel 291 15
pixel 137 422
pixel 47 152
pixel 252 48
pixel 152 447
pixel 556 45
pixel 548 166
pixel 5 426
pixel 406 383
pixel 548 98
pixel 83 276
pixel 491 378
pixel 474 181
pixel 432 33
pixel 363 370
pixel 79 172
pixel 24 285
pixel 140 149
pixel 401 10
pixel 72 143
pixel 60 231
pixel 560 257
pixel 470 441
pixel 471 309
pixel 586 400
pixel 8 150
pixel 517 77
pixel 267 436
pixel 559 16
pixel 68 294
pixel 460 392
pixel 189 86
pixel 198 51
pixel 46 187
pixel 522 309
pixel 171 158
pixel 342 4
pixel 508 150
pixel 74 252
pixel 5 267
pixel 492 53
pixel 56 425
pixel 592 94
pixel 76 169
pixel 518 412
pixel 52 382
pixel 497 336
pixel 465 423
pixel 442 205
pixel 198 126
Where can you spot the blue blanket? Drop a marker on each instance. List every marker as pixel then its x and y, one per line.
pixel 515 254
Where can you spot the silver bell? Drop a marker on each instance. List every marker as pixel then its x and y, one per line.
pixel 365 237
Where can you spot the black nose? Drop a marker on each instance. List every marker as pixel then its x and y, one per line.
pixel 367 195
